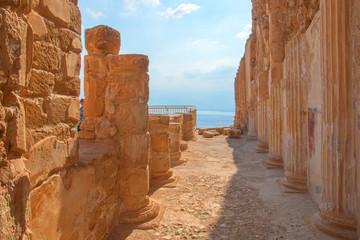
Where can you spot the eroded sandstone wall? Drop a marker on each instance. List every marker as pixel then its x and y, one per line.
pixel 40 47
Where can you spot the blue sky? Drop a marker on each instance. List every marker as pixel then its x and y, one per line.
pixel 194 46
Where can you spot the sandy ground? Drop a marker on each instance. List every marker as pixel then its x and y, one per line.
pixel 225 192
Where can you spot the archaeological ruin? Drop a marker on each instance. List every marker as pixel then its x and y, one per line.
pixel 297 94
pixel 297 91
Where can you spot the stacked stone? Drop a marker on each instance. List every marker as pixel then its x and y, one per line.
pixel 178 118
pixel 188 128
pixel 40 47
pixel 117 93
pixel 174 137
pixel 160 172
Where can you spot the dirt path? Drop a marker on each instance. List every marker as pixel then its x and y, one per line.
pixel 225 192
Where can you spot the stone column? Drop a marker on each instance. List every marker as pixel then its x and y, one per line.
pixel 188 128
pixel 295 161
pixel 160 171
pixel 262 140
pixel 252 134
pixel 115 110
pixel 277 17
pixel 174 137
pixel 338 207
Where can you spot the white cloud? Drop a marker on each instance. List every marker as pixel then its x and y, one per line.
pixel 245 33
pixel 133 5
pixel 94 14
pixel 181 10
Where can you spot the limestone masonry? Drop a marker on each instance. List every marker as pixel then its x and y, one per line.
pixel 297 93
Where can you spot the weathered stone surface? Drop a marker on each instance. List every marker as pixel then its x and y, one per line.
pixel 46 156
pixel 73 111
pixel 160 142
pixel 234 133
pixel 183 145
pixel 16 51
pixel 37 24
pixel 102 40
pixel 34 112
pixel 136 115
pixel 56 107
pixel 40 83
pixel 47 57
pixel 135 151
pixel 209 134
pixel 105 129
pixel 58 11
pixel 72 64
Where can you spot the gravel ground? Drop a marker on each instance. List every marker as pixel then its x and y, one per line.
pixel 225 192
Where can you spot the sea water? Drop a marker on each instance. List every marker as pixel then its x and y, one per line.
pixel 210 119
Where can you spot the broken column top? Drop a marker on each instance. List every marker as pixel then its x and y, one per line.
pixel 102 40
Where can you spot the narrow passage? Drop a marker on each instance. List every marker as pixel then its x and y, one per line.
pixel 225 192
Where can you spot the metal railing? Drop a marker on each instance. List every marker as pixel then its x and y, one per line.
pixel 172 109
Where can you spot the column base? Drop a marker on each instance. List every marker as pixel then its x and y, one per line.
pixel 175 159
pixel 142 215
pixel 175 156
pixel 262 147
pixel 294 183
pixel 162 179
pixel 251 137
pixel 345 230
pixel 273 161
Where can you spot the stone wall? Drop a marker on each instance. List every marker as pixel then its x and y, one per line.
pixel 307 66
pixel 52 184
pixel 40 49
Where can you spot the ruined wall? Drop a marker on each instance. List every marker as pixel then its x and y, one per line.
pixel 241 111
pixel 313 53
pixel 40 49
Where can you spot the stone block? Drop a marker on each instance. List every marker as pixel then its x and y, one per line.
pixel 72 64
pixel 105 129
pixel 56 107
pixel 16 51
pixel 134 187
pixel 129 87
pixel 93 106
pixel 47 57
pixel 102 40
pixel 40 83
pixel 14 114
pixel 58 11
pixel 47 155
pixel 201 130
pixel 67 86
pixel 37 24
pixel 159 163
pixel 159 123
pixel 160 142
pixel 183 145
pixel 34 113
pixel 234 133
pixel 130 62
pixel 73 111
pixel 75 18
pixel 132 118
pixel 210 134
pixel 96 64
pixel 95 85
pixel 220 130
pixel 135 151
pixel 76 45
